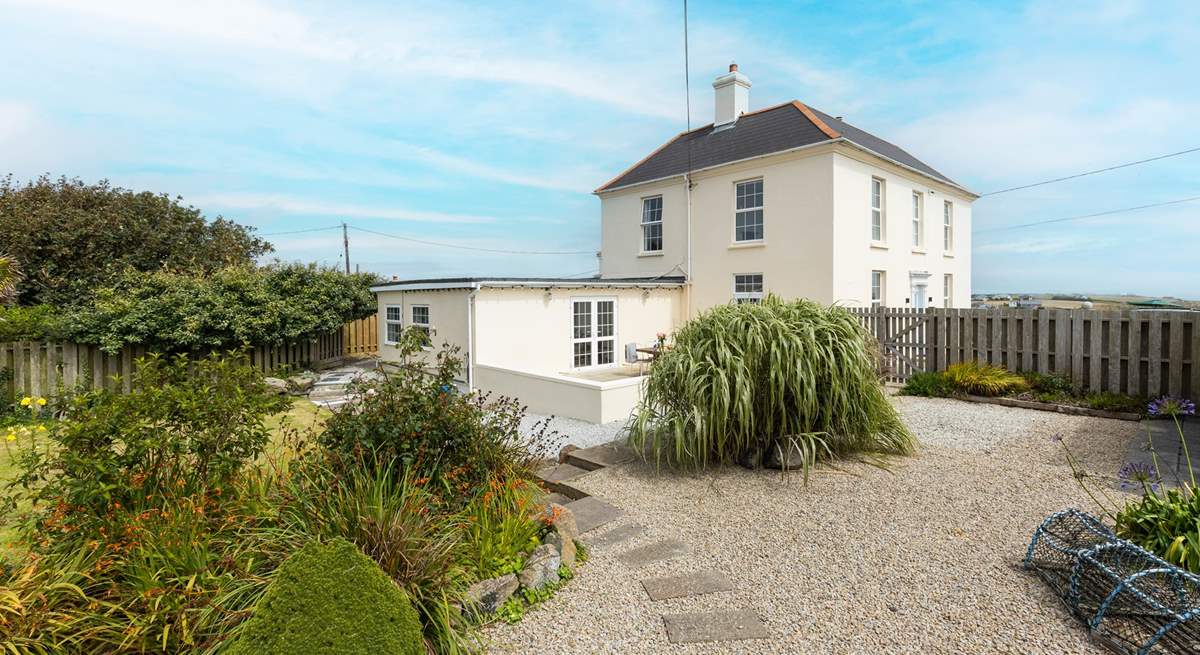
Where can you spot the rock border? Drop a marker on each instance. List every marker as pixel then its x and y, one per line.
pixel 1050 407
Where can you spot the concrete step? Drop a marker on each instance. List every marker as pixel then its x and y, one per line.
pixel 591 512
pixel 724 625
pixel 689 584
pixel 558 479
pixel 598 457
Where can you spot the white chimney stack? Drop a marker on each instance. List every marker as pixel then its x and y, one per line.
pixel 733 96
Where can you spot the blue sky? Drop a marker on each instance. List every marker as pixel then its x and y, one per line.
pixel 488 125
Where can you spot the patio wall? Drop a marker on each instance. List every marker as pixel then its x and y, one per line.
pixel 561 395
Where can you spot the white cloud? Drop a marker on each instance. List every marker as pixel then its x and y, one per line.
pixel 335 211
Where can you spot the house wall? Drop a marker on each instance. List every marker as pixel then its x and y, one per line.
pixel 857 256
pixel 524 330
pixel 795 256
pixel 447 319
pixel 816 224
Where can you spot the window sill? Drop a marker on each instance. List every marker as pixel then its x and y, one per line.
pixel 879 245
pixel 736 245
pixel 948 255
pixel 654 253
pixel 919 251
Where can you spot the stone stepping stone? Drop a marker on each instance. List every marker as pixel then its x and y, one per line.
pixel 653 553
pixel 598 457
pixel 726 625
pixel 615 536
pixel 689 584
pixel 591 513
pixel 557 479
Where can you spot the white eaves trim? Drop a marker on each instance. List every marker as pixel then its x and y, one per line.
pixel 529 284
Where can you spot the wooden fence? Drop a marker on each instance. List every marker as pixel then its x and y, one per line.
pixel 362 336
pixel 39 368
pixel 1141 353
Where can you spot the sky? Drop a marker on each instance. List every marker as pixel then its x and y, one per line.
pixel 488 125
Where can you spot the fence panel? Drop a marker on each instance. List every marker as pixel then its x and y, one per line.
pixel 1138 353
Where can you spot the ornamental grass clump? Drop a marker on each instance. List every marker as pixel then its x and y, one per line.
pixel 746 380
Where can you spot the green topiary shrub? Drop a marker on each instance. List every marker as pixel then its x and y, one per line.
pixel 330 598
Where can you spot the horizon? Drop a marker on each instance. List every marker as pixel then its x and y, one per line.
pixel 433 122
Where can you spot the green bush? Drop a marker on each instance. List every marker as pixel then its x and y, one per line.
pixel 36 323
pixel 1049 384
pixel 740 378
pixel 332 599
pixel 71 237
pixel 983 379
pixel 229 308
pixel 1165 522
pixel 1116 402
pixel 417 418
pixel 930 384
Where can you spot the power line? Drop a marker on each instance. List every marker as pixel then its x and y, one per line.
pixel 1083 216
pixel 1085 174
pixel 313 229
pixel 494 250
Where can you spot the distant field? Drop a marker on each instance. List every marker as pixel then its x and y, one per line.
pixel 1102 302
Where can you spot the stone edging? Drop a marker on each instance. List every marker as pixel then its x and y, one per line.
pixel 1051 407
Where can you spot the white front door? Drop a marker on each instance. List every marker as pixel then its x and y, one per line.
pixel 919 297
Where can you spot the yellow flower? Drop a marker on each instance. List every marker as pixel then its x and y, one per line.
pixel 41 402
pixel 26 401
pixel 11 436
pixel 42 428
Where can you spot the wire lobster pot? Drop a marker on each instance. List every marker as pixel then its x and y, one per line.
pixel 1131 600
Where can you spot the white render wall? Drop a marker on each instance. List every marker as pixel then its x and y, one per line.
pixel 816 224
pixel 857 256
pixel 447 319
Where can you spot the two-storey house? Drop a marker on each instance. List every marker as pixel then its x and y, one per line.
pixel 786 200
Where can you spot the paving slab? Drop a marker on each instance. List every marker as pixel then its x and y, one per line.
pixel 591 513
pixel 653 553
pixel 1163 436
pixel 598 457
pixel 726 625
pixel 615 536
pixel 688 584
pixel 561 473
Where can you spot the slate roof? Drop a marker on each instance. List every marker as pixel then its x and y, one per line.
pixel 763 132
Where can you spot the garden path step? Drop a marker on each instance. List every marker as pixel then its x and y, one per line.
pixel 688 584
pixel 658 551
pixel 598 457
pixel 615 536
pixel 557 478
pixel 725 625
pixel 591 512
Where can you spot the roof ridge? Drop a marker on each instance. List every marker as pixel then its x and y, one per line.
pixel 821 125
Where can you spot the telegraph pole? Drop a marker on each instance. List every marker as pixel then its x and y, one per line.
pixel 346 248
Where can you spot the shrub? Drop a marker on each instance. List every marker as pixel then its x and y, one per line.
pixel 330 598
pixel 501 527
pixel 983 379
pixel 1116 402
pixel 186 428
pixel 395 520
pixel 1049 384
pixel 227 308
pixel 930 384
pixel 36 323
pixel 417 418
pixel 740 378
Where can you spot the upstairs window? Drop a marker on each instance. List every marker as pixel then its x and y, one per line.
pixel 393 324
pixel 652 239
pixel 748 217
pixel 918 219
pixel 748 287
pixel 877 288
pixel 948 226
pixel 876 209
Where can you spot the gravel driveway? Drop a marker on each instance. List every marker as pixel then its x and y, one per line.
pixel 921 558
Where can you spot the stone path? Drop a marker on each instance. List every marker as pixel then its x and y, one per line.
pixel 1168 449
pixel 330 389
pixel 591 513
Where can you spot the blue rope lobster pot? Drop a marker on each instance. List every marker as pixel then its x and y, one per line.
pixel 1131 600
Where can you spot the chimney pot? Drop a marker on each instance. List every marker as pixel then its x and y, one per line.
pixel 733 67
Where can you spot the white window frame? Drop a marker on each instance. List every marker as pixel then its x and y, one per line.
pixel 948 226
pixel 948 290
pixel 918 220
pixel 593 337
pixel 740 297
pixel 426 326
pixel 878 288
pixel 878 210
pixel 737 213
pixel 388 322
pixel 649 224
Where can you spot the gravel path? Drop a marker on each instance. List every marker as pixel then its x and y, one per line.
pixel 922 558
pixel 571 431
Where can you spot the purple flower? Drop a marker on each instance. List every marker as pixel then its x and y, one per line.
pixel 1056 438
pixel 1136 474
pixel 1171 406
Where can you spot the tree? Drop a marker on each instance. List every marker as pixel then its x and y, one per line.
pixel 10 275
pixel 71 237
pixel 231 307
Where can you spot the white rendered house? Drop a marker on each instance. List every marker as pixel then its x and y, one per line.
pixel 785 200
